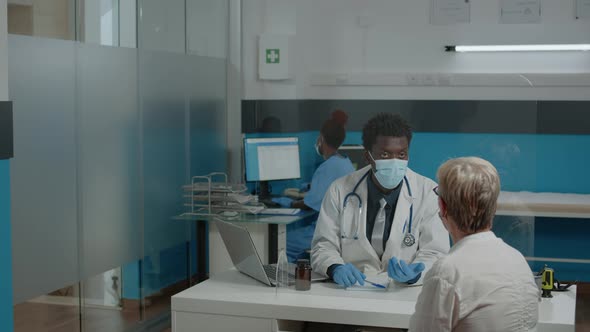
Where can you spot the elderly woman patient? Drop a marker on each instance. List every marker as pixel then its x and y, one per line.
pixel 483 284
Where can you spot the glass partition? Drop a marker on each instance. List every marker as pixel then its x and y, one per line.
pixel 537 147
pixel 99 21
pixel 42 80
pixel 106 136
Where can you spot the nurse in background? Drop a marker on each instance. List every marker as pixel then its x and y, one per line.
pixel 335 166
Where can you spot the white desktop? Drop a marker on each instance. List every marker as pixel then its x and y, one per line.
pixel 270 159
pixel 232 301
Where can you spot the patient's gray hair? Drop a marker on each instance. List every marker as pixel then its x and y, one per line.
pixel 470 187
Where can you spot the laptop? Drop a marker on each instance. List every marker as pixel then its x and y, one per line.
pixel 243 254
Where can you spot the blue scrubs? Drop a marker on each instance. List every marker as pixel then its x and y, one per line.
pixel 299 236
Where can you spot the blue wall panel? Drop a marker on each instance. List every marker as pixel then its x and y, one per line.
pixel 131 281
pixel 526 162
pixel 6 317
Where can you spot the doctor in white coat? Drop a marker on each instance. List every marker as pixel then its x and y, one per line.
pixel 383 217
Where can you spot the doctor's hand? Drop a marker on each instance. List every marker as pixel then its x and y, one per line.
pixel 400 271
pixel 347 275
pixel 283 201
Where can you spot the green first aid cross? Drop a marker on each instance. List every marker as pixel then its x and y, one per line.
pixel 273 55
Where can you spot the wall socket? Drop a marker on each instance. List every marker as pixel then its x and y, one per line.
pixel 422 79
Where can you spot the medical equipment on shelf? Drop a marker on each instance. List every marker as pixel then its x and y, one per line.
pixel 206 197
pixel 408 240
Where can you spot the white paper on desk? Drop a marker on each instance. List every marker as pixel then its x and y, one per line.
pixel 381 279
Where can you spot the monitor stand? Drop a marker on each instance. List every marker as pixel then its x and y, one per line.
pixel 264 190
pixel 264 195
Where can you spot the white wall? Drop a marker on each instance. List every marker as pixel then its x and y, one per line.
pixel 400 39
pixel 3 52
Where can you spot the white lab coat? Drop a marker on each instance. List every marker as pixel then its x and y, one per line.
pixel 483 284
pixel 432 239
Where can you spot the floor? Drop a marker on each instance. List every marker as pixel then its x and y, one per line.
pixel 583 308
pixel 33 317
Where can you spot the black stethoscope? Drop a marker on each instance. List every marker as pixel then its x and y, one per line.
pixel 409 238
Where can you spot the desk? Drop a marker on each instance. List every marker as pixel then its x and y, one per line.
pixel 232 301
pixel 544 204
pixel 532 204
pixel 268 233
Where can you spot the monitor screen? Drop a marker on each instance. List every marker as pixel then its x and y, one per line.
pixel 356 153
pixel 272 158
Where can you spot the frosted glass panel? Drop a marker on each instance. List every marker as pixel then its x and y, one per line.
pixel 109 157
pixel 517 231
pixel 207 115
pixel 43 171
pixel 207 28
pixel 163 79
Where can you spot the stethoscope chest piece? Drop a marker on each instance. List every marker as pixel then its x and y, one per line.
pixel 409 240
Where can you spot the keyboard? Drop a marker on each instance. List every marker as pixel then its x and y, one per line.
pixel 271 273
pixel 269 203
pixel 280 211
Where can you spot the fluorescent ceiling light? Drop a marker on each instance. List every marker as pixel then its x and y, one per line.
pixel 518 48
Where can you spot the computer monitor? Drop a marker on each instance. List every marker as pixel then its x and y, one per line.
pixel 270 159
pixel 356 153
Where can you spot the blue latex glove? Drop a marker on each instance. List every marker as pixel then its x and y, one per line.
pixel 283 201
pixel 304 187
pixel 400 271
pixel 347 275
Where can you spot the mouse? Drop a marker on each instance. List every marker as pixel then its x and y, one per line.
pixel 229 213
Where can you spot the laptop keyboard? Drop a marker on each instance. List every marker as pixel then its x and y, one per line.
pixel 271 273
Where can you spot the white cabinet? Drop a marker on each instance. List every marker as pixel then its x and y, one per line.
pixel 192 322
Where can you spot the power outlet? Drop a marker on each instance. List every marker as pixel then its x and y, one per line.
pixel 413 79
pixel 444 80
pixel 421 79
pixel 428 80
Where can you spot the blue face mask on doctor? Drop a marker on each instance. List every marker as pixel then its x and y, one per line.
pixel 389 172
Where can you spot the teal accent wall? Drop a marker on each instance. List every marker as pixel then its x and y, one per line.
pixel 6 315
pixel 172 269
pixel 526 162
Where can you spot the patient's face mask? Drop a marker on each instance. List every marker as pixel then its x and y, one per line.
pixel 389 172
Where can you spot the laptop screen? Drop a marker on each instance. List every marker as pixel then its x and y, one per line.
pixel 242 251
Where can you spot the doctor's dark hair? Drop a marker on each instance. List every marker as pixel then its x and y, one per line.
pixel 385 124
pixel 333 130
